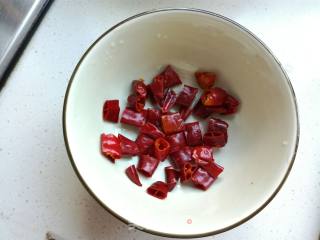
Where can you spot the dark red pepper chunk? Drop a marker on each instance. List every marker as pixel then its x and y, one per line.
pixel 161 148
pixel 111 110
pixel 172 177
pixel 139 88
pixel 135 102
pixel 215 125
pixel 231 105
pixel 177 141
pixel 202 111
pixel 214 97
pixel 216 139
pixel 201 179
pixel 205 79
pixel 186 96
pixel 182 156
pixel 202 155
pixel 128 147
pixel 147 165
pixel 151 130
pixel 144 143
pixel 187 171
pixel 172 123
pixel 110 146
pixel 171 78
pixel 185 112
pixel 213 169
pixel 158 190
pixel 133 175
pixel 157 88
pixel 168 101
pixel 193 134
pixel 133 118
pixel 153 116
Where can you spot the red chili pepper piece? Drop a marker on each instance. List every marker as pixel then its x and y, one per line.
pixel 151 130
pixel 185 112
pixel 147 165
pixel 171 78
pixel 205 79
pixel 135 102
pixel 182 156
pixel 111 110
pixel 215 139
pixel 133 175
pixel 193 134
pixel 161 148
pixel 139 88
pixel 202 111
pixel 187 171
pixel 157 88
pixel 133 118
pixel 144 143
pixel 177 141
pixel 168 101
pixel 128 147
pixel 201 179
pixel 202 155
pixel 158 189
pixel 213 169
pixel 110 146
pixel 231 105
pixel 186 96
pixel 153 116
pixel 172 123
pixel 215 124
pixel 172 177
pixel 214 97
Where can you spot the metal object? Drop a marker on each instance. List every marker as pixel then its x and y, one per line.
pixel 17 17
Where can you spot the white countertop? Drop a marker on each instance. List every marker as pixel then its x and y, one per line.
pixel 39 189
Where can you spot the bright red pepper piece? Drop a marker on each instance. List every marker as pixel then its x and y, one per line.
pixel 133 175
pixel 133 118
pixel 182 156
pixel 202 155
pixel 111 110
pixel 177 141
pixel 187 171
pixel 151 130
pixel 110 146
pixel 215 139
pixel 171 78
pixel 153 116
pixel 172 123
pixel 168 101
pixel 147 165
pixel 205 79
pixel 215 124
pixel 161 148
pixel 186 96
pixel 214 97
pixel 144 143
pixel 185 112
pixel 202 111
pixel 157 88
pixel 201 179
pixel 193 134
pixel 172 177
pixel 213 169
pixel 139 88
pixel 158 190
pixel 128 147
pixel 135 102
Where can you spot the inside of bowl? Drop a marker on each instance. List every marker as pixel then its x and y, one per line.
pixel 262 135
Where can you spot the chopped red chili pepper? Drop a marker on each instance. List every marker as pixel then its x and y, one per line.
pixel 215 124
pixel 157 88
pixel 135 102
pixel 128 147
pixel 215 139
pixel 185 112
pixel 151 130
pixel 214 97
pixel 205 79
pixel 187 171
pixel 231 105
pixel 110 146
pixel 133 118
pixel 186 96
pixel 168 101
pixel 133 175
pixel 161 148
pixel 147 165
pixel 213 169
pixel 172 177
pixel 153 116
pixel 111 110
pixel 193 134
pixel 202 155
pixel 201 179
pixel 181 156
pixel 171 78
pixel 172 123
pixel 139 88
pixel 202 111
pixel 144 143
pixel 177 141
pixel 158 189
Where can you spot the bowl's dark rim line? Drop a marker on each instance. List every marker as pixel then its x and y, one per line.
pixel 163 233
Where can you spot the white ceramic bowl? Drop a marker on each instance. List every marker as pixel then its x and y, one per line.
pixel 263 136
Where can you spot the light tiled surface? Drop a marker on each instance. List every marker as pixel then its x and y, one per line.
pixel 39 190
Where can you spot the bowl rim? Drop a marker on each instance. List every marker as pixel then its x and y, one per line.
pixel 164 234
